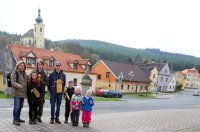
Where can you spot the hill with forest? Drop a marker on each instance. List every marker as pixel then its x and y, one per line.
pixel 96 50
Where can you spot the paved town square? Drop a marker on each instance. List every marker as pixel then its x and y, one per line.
pixel 178 113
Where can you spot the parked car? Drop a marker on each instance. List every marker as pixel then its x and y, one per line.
pixel 100 92
pixel 112 94
pixel 196 93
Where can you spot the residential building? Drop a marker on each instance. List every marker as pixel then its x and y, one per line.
pixel 73 65
pixel 2 71
pixel 134 79
pixel 166 81
pixel 192 78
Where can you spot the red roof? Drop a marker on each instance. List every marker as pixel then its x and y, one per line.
pixel 20 51
pixel 192 70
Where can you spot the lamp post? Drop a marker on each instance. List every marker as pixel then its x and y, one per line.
pixel 131 74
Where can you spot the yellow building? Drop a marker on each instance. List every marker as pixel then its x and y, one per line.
pixel 181 79
pixel 2 84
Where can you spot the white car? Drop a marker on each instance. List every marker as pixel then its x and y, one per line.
pixel 196 93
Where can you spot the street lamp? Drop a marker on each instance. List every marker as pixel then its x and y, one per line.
pixel 131 74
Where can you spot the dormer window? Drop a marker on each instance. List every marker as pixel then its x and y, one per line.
pixel 30 60
pixel 75 67
pixel 51 62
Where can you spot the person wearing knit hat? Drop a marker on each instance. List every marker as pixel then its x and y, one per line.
pixel 87 104
pixel 57 81
pixel 44 82
pixel 19 90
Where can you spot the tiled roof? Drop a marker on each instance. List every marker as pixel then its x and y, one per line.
pixel 117 68
pixel 159 66
pixel 192 70
pixel 18 51
pixel 29 33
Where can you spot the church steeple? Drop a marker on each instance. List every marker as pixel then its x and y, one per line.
pixel 39 19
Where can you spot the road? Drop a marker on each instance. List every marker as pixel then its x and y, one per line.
pixel 184 100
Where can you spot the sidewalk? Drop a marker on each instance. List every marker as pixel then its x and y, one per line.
pixel 173 120
pixel 166 95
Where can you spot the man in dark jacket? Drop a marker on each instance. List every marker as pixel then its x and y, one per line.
pixel 57 81
pixel 69 91
pixel 44 82
pixel 19 90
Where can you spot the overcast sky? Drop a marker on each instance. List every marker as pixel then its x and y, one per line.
pixel 171 25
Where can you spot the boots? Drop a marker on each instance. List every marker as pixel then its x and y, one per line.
pixel 39 119
pixel 57 121
pixel 52 121
pixel 30 121
pixel 66 120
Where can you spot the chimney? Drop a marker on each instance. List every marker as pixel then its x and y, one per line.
pixel 52 49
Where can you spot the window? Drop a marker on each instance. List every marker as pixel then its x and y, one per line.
pixel 165 71
pixel 154 84
pixel 107 74
pixel 109 85
pixel 30 60
pixel 75 81
pixel 35 29
pixel 29 41
pixel 161 79
pixel 154 75
pixel 99 77
pixel 75 66
pixel 122 86
pixel 51 62
pixel 166 79
pixel 40 29
pixel 128 86
pixel 4 79
pixel 170 87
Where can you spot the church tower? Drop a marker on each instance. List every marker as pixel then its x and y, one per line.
pixel 38 32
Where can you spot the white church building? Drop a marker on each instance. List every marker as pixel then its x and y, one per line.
pixel 35 37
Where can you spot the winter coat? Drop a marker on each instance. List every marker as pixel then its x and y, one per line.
pixel 19 89
pixel 44 81
pixel 53 77
pixel 86 106
pixel 76 102
pixel 68 93
pixel 30 87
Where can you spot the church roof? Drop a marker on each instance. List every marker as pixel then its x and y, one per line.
pixel 29 33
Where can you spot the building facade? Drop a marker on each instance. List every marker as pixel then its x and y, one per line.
pixel 35 37
pixel 134 79
pixel 73 65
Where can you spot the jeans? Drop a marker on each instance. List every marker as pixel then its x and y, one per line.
pixel 55 101
pixel 18 105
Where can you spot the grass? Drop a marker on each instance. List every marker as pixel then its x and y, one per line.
pixel 106 99
pixel 140 95
pixel 2 95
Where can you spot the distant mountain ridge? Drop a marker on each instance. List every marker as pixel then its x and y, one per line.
pixel 95 50
pixel 114 52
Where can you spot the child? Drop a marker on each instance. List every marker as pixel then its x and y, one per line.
pixel 34 91
pixel 69 91
pixel 87 104
pixel 75 104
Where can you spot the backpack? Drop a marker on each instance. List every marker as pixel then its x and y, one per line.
pixel 9 78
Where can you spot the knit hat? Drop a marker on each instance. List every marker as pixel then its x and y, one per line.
pixel 57 63
pixel 18 63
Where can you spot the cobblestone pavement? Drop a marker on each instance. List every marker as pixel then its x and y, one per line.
pixel 172 120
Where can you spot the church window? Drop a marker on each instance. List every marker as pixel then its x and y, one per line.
pixel 40 29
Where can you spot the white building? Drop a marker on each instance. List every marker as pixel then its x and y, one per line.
pixel 35 37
